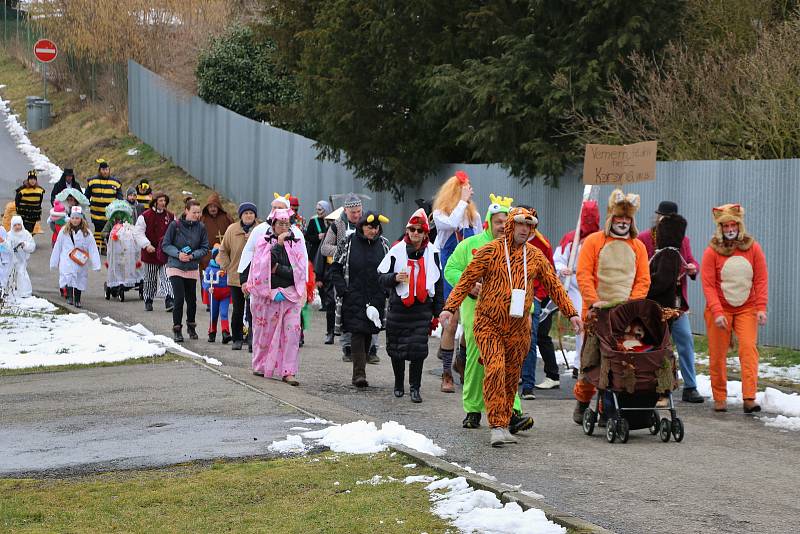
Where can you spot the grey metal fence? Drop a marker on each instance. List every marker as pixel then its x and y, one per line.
pixel 247 160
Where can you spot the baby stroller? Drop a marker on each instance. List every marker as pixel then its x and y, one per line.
pixel 123 252
pixel 630 382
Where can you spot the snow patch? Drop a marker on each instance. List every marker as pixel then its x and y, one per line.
pixel 786 406
pixel 377 480
pixel 292 444
pixel 38 160
pixel 532 494
pixel 311 421
pixel 410 466
pixel 361 437
pixel 49 339
pixel 425 479
pixel 782 422
pixel 18 305
pixel 473 510
pixel 300 429
pixel 133 152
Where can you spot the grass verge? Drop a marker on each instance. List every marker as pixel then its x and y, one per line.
pixel 166 358
pixel 82 132
pixel 315 493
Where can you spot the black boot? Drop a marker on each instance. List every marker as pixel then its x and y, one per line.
pixel 347 355
pixel 415 380
pixel 415 396
pixel 399 368
pixel 191 329
pixel 77 297
pixel 212 337
pixel 148 305
pixel 372 357
pixel 237 345
pixel 177 335
pixel 472 420
pixel 226 337
pixel 169 303
pixel 70 296
pixel 329 338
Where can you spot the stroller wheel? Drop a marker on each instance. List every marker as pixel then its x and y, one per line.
pixel 665 430
pixel 623 430
pixel 589 419
pixel 654 422
pixel 677 430
pixel 108 291
pixel 611 430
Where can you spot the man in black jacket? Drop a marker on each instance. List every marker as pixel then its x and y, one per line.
pixel 67 180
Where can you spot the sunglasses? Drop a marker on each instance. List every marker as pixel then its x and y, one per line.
pixel 414 230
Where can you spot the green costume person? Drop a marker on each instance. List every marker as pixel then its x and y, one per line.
pixel 472 395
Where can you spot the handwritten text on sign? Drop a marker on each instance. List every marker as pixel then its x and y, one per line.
pixel 620 164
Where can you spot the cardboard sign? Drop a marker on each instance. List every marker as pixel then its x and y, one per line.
pixel 620 164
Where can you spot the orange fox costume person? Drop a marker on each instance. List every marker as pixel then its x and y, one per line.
pixel 611 268
pixel 504 340
pixel 735 284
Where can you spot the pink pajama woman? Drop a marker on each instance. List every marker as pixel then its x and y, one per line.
pixel 277 285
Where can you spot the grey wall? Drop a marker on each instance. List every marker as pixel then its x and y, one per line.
pixel 247 160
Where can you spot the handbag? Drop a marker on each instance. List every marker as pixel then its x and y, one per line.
pixel 77 254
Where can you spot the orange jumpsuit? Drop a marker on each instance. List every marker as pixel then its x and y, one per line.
pixel 735 286
pixel 504 340
pixel 610 269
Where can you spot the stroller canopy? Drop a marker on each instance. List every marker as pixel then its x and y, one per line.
pixel 74 193
pixel 614 322
pixel 120 207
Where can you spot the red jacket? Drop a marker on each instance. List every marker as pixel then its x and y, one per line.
pixel 541 242
pixel 156 227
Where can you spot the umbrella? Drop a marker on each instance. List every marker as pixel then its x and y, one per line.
pixel 74 193
pixel 335 214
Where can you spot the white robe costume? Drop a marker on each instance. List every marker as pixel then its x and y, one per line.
pixel 6 259
pixel 125 246
pixel 70 274
pixel 22 246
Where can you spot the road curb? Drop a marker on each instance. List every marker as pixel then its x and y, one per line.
pixel 505 494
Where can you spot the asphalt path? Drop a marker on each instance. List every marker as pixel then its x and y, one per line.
pixel 730 474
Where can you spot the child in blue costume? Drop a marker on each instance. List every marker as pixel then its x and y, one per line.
pixel 215 282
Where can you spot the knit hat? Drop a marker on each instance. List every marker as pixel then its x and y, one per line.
pixel 622 205
pixel 247 206
pixel 325 206
pixel 419 218
pixel 294 202
pixel 130 191
pixel 77 211
pixel 102 164
pixel 16 219
pixel 352 201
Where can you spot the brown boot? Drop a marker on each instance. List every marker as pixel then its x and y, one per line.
pixel 720 406
pixel 750 406
pixel 447 383
pixel 460 363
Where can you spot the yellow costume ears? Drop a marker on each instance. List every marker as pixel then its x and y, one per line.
pixel 501 201
pixel 381 219
pixel 100 160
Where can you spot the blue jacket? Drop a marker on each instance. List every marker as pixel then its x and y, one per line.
pixel 182 233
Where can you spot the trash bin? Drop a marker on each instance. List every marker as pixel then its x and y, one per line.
pixel 33 113
pixel 45 106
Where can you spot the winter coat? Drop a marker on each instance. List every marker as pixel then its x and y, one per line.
pixel 70 274
pixel 61 184
pixel 152 226
pixel 362 288
pixel 316 226
pixel 138 208
pixel 22 246
pixel 123 255
pixel 408 328
pixel 230 252
pixel 182 233
pixel 666 265
pixel 216 226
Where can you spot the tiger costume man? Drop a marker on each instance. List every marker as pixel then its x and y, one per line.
pixel 505 267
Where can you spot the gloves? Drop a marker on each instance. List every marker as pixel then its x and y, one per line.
pixel 374 316
pixel 434 325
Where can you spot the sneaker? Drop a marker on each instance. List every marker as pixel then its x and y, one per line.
pixel 472 420
pixel 148 305
pixel 577 413
pixel 520 422
pixel 509 437
pixel 691 395
pixel 527 394
pixel 548 383
pixel 212 337
pixel 329 338
pixel 497 437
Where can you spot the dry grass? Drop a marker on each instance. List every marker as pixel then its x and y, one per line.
pixel 81 133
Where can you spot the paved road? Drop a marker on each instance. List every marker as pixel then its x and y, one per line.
pixel 731 473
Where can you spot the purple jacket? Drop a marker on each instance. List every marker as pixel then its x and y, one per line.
pixel 646 237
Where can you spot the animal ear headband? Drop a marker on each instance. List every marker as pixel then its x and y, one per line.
pixel 381 219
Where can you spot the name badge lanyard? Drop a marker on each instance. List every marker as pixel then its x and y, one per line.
pixel 524 266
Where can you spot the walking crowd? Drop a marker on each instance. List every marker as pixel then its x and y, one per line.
pixel 489 282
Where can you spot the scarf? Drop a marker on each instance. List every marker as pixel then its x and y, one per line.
pixel 423 273
pixel 247 227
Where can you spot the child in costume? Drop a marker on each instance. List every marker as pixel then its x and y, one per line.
pixel 74 254
pixel 57 219
pixel 456 218
pixel 123 246
pixel 215 284
pixel 20 242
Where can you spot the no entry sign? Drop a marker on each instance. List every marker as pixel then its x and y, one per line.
pixel 45 50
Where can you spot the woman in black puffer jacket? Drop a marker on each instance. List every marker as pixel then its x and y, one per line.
pixel 411 271
pixel 355 276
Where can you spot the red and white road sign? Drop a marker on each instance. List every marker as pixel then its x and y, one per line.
pixel 45 50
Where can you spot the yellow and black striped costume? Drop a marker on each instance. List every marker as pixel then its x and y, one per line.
pixel 101 192
pixel 28 202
